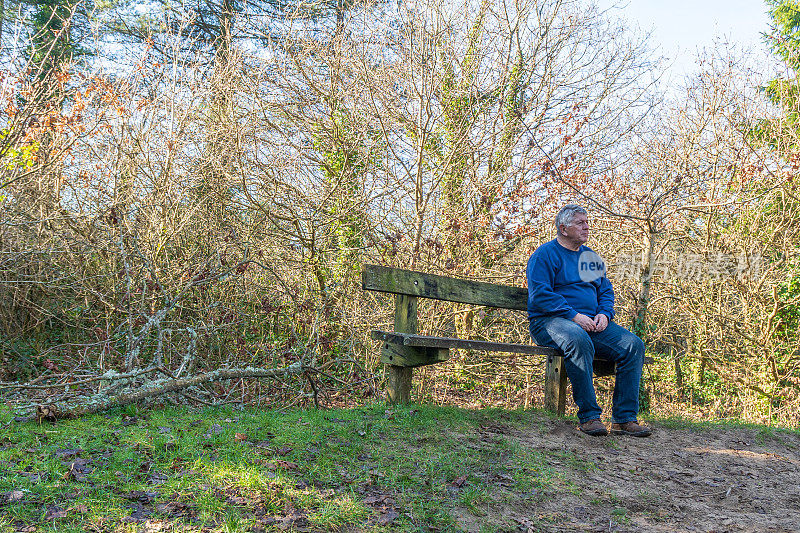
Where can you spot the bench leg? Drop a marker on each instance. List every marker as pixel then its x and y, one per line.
pixel 555 385
pixel 398 386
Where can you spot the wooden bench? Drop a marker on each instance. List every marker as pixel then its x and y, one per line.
pixel 403 349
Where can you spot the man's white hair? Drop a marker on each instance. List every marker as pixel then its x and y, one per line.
pixel 567 213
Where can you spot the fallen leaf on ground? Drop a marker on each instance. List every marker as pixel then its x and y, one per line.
pixel 71 495
pixel 379 499
pixel 286 465
pixel 68 453
pixel 54 512
pixel 293 519
pixel 140 496
pixel 387 517
pixel 231 496
pixel 503 479
pixel 157 478
pixel 46 412
pixel 459 481
pixel 138 514
pixel 240 436
pixel 525 525
pixel 78 469
pixel 284 451
pixel 175 509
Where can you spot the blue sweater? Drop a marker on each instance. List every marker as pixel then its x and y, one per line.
pixel 562 282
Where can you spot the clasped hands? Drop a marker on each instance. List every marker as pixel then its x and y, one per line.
pixel 595 325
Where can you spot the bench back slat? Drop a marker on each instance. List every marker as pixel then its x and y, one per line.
pixel 397 281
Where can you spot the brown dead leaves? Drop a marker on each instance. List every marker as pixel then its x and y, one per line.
pixel 280 464
pixel 47 413
pixel 78 469
pixel 54 512
pixel 384 506
pixel 459 481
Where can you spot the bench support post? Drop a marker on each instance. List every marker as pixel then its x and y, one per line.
pixel 555 385
pixel 405 321
pixel 398 385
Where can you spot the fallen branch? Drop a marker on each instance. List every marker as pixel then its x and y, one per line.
pixel 102 400
pixel 110 375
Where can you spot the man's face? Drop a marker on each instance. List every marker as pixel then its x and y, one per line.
pixel 578 229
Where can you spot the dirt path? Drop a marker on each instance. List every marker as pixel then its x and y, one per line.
pixel 716 479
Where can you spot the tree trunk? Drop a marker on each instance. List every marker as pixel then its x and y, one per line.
pixel 645 281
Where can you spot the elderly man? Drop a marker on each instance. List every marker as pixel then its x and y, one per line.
pixel 571 307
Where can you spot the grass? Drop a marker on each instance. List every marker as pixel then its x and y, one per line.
pixel 677 422
pixel 367 469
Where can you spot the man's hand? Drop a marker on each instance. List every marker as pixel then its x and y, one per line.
pixel 600 322
pixel 585 322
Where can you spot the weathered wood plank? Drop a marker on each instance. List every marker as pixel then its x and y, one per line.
pixel 555 385
pixel 400 376
pixel 405 314
pixel 602 367
pixel 397 281
pixel 405 339
pixel 412 356
pixel 398 384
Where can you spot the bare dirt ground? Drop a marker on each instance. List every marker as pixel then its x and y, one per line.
pixel 716 479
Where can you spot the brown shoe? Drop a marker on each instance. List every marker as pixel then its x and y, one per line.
pixel 634 429
pixel 594 427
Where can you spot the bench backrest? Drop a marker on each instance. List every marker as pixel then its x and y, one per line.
pixel 410 283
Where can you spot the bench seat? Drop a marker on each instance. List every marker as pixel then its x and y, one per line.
pixel 602 367
pixel 426 341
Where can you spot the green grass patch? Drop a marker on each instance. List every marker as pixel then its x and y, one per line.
pixel 677 422
pixel 374 468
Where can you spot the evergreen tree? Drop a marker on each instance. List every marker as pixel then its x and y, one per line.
pixel 54 31
pixel 214 25
pixel 784 41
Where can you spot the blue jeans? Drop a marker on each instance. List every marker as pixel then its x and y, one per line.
pixel 579 347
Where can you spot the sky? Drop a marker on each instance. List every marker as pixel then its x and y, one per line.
pixel 682 27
